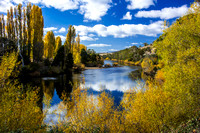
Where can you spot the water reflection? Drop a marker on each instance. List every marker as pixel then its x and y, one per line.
pixel 112 79
pixel 58 90
pixel 115 81
pixel 117 95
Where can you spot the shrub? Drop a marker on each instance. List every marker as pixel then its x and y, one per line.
pixel 87 114
pixel 107 65
pixel 147 65
pixel 18 105
pixel 115 64
pixel 159 77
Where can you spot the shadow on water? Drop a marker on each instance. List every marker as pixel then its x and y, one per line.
pixel 55 89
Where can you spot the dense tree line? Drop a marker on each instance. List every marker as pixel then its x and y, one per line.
pixel 91 58
pixel 24 26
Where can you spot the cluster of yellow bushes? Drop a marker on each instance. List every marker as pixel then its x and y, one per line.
pixel 19 110
pixel 150 109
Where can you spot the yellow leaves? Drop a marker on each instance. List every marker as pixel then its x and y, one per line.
pixel 179 51
pixel 58 44
pixel 107 58
pixel 8 64
pixel 49 45
pixel 147 65
pixel 77 53
pixel 145 110
pixel 159 77
pixel 87 113
pixel 76 57
pixel 19 111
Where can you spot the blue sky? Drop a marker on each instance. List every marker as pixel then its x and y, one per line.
pixel 107 25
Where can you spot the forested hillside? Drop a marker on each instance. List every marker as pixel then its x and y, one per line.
pixel 131 54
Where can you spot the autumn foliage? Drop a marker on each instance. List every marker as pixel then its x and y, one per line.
pixel 157 107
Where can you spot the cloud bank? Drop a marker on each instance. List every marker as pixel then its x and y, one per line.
pixel 165 13
pixel 121 31
pixel 91 9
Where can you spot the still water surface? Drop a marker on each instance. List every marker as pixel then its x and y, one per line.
pixel 115 81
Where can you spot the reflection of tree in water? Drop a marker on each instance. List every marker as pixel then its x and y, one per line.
pixel 139 74
pixel 48 88
pixel 64 85
pixel 78 79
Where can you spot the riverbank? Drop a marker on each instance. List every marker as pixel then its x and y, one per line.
pixel 88 68
pixel 126 62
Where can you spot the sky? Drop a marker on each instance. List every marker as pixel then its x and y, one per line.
pixel 107 25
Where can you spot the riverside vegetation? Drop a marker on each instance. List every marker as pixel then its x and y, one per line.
pixel 172 105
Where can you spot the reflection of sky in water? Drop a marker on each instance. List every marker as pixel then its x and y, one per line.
pixel 110 78
pixel 114 81
pixel 52 112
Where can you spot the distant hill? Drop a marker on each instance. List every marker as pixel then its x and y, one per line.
pixel 131 54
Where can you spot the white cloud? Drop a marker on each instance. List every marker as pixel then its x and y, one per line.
pixel 99 45
pixel 94 9
pixel 50 29
pixel 165 13
pixel 91 9
pixel 134 43
pixel 113 50
pixel 62 30
pixel 5 5
pixel 62 5
pixel 91 35
pixel 140 4
pixel 128 16
pixel 85 20
pixel 87 38
pixel 122 31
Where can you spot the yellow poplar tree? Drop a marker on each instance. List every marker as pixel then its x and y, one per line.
pixel 58 44
pixel 36 26
pixel 49 44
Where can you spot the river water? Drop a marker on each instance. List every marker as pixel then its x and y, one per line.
pixel 115 81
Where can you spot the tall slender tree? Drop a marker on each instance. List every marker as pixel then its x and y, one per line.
pixel 16 22
pixel 49 44
pixel 1 28
pixel 12 24
pixel 19 17
pixel 73 38
pixel 24 29
pixel 36 26
pixel 70 38
pixel 28 17
pixel 8 28
pixel 58 44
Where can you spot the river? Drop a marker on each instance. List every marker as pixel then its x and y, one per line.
pixel 115 81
